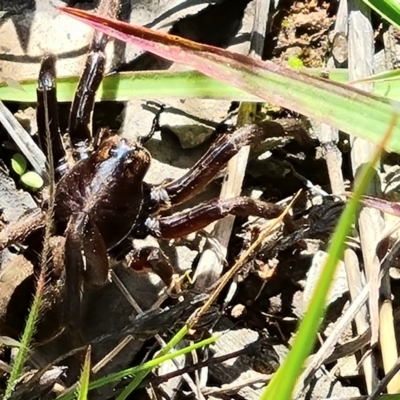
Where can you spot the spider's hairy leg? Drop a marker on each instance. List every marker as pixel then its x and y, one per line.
pixel 47 110
pixel 196 218
pixel 222 150
pixel 18 231
pixel 82 235
pixel 151 259
pixel 83 103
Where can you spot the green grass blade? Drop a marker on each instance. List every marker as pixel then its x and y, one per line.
pixel 387 9
pixel 134 85
pixel 183 84
pixel 26 339
pixel 163 354
pixel 83 388
pixel 148 366
pixel 386 76
pixel 282 384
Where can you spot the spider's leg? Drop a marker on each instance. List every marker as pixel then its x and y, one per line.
pixel 223 149
pixel 19 230
pixel 150 258
pixel 74 270
pixel 47 115
pixel 155 126
pixel 82 240
pixel 196 218
pixel 83 103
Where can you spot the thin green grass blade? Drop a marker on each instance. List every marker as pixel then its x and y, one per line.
pixel 83 388
pixel 134 85
pixel 148 85
pixel 282 384
pixel 386 76
pixel 154 85
pixel 387 9
pixel 163 354
pixel 26 339
pixel 148 366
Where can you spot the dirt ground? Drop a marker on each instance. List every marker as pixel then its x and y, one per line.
pixel 260 308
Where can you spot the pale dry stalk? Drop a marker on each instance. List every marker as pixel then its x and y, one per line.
pixel 361 39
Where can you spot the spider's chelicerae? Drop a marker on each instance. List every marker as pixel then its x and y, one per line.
pixel 102 199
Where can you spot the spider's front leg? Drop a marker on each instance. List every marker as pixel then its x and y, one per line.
pixel 83 239
pixel 48 130
pixel 83 104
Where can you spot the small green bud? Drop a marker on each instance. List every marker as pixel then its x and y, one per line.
pixel 18 164
pixel 32 180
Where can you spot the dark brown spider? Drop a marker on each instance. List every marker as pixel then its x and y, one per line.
pixel 102 199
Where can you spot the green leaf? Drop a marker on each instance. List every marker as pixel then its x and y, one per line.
pixel 387 9
pixel 19 164
pixel 83 388
pixel 155 85
pixel 126 86
pixel 386 76
pixel 32 180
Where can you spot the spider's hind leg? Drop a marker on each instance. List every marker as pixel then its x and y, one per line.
pixel 179 190
pixel 192 220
